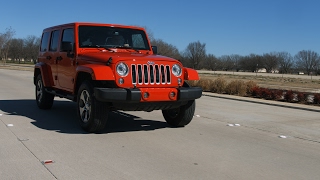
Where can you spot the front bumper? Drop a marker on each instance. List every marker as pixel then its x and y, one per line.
pixel 155 94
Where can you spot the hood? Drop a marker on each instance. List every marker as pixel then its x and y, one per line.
pixel 104 56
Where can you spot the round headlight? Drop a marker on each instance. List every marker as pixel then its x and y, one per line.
pixel 176 70
pixel 122 69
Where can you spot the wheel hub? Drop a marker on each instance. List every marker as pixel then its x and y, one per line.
pixel 85 106
pixel 39 90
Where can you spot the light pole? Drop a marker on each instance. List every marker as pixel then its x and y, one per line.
pixel 312 67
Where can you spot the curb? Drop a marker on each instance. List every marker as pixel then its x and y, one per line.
pixel 263 101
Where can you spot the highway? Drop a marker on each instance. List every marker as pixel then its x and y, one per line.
pixel 229 138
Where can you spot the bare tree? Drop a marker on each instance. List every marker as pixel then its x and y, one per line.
pixel 270 61
pixel 226 62
pixel 5 41
pixel 16 51
pixel 31 44
pixel 307 60
pixel 252 62
pixel 235 59
pixel 230 62
pixel 149 33
pixel 211 62
pixel 285 62
pixel 166 49
pixel 195 53
pixel 2 43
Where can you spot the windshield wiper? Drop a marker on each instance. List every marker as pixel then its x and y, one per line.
pixel 125 47
pixel 97 46
pixel 109 49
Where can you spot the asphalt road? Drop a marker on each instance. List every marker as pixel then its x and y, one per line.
pixel 140 145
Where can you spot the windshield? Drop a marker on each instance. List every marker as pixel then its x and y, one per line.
pixel 112 37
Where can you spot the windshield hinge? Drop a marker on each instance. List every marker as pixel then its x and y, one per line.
pixel 109 61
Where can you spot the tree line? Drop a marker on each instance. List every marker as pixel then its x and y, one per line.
pixel 194 56
pixel 18 49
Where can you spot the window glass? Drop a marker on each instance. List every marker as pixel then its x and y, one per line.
pixel 112 37
pixel 54 40
pixel 44 41
pixel 67 36
pixel 137 41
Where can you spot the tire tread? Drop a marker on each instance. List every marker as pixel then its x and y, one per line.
pixel 184 116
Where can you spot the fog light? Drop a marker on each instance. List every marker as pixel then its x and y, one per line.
pixel 121 81
pixel 145 95
pixel 172 95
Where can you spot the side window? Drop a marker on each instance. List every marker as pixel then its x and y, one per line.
pixel 44 41
pixel 67 36
pixel 54 40
pixel 137 41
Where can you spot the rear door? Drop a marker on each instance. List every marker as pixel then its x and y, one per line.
pixel 46 56
pixel 53 53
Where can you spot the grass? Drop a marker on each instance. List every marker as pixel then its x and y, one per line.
pixel 297 84
pixel 292 90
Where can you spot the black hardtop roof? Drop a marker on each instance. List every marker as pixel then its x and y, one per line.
pixel 93 24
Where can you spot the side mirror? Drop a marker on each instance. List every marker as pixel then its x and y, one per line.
pixel 66 46
pixel 154 49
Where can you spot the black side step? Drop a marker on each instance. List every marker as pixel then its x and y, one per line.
pixel 60 94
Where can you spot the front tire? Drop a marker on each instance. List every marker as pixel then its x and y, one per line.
pixel 92 114
pixel 180 116
pixel 43 98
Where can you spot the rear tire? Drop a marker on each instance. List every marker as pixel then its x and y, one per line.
pixel 43 98
pixel 92 114
pixel 180 116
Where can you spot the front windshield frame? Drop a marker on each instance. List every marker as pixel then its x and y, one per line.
pixel 100 36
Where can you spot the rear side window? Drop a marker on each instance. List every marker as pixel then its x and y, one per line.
pixel 54 40
pixel 44 41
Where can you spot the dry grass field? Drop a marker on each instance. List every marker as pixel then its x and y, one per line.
pixel 286 83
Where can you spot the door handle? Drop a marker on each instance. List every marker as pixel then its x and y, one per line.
pixel 48 57
pixel 59 58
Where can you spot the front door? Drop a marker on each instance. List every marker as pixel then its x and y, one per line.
pixel 66 63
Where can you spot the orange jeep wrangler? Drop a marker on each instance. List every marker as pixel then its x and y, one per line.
pixel 105 67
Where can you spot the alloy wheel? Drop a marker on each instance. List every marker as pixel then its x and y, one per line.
pixel 85 106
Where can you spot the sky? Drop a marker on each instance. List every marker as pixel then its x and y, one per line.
pixel 226 26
